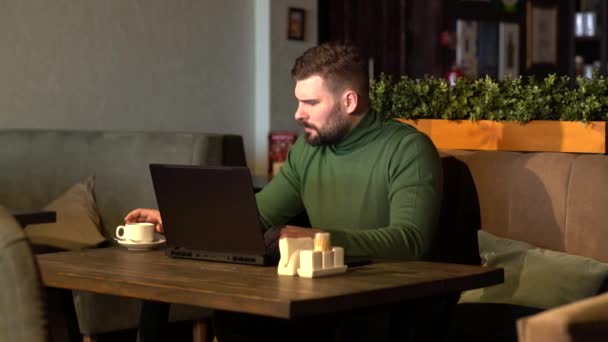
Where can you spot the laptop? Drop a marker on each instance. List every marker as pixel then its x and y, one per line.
pixel 210 213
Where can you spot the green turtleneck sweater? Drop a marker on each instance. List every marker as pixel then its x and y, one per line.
pixel 377 191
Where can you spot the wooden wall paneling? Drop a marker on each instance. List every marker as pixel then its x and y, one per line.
pixel 377 27
pixel 425 22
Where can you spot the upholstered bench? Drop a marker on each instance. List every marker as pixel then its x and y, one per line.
pixel 92 179
pixel 540 216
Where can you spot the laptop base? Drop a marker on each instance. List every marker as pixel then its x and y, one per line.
pixel 188 253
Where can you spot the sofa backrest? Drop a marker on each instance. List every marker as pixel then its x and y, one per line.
pixel 557 201
pixel 38 165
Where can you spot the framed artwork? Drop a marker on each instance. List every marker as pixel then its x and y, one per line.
pixel 296 23
pixel 466 47
pixel 508 50
pixel 541 34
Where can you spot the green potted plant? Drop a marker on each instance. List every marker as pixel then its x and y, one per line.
pixel 515 114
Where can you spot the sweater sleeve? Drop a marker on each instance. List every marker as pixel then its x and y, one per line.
pixel 280 199
pixel 415 184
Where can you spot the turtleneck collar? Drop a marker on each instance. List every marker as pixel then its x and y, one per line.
pixel 366 130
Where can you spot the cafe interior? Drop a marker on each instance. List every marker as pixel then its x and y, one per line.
pixel 512 93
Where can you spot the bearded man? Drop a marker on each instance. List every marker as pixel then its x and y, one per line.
pixel 374 184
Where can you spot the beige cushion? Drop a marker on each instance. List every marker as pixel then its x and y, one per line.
pixel 535 277
pixel 78 222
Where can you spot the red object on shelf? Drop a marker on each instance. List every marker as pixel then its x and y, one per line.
pixel 448 39
pixel 279 144
pixel 453 74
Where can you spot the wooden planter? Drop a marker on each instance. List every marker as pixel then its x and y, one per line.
pixel 539 135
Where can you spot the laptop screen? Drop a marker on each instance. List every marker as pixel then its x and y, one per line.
pixel 208 208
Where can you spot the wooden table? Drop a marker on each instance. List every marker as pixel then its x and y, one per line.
pixel 254 289
pixel 26 216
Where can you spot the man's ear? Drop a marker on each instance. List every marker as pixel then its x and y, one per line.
pixel 351 100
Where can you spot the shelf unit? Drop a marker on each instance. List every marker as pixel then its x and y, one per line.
pixel 590 48
pixel 490 12
pixel 402 36
pixel 594 48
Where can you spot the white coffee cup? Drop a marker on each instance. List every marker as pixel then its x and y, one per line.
pixel 137 232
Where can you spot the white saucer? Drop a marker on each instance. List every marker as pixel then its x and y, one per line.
pixel 141 246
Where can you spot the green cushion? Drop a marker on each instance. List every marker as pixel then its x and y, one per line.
pixel 550 278
pixel 535 277
pixel 503 253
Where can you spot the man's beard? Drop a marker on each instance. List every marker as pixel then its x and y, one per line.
pixel 332 132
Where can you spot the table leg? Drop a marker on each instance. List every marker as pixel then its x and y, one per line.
pixel 153 321
pixel 200 331
pixel 63 323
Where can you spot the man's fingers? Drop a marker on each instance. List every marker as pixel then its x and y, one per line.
pixel 272 235
pixel 132 219
pixel 133 216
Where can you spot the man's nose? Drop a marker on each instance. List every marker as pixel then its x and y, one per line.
pixel 300 114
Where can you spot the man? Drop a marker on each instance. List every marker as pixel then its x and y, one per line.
pixel 374 184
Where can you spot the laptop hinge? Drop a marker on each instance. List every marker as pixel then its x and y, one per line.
pixel 188 253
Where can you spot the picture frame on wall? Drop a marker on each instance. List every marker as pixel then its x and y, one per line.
pixel 296 23
pixel 508 50
pixel 466 47
pixel 541 34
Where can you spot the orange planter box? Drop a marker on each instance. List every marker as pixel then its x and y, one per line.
pixel 538 135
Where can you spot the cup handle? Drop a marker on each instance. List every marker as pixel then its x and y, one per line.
pixel 120 232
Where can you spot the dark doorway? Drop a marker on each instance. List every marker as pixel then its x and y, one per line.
pixel 401 36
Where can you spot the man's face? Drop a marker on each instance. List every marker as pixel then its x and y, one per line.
pixel 319 111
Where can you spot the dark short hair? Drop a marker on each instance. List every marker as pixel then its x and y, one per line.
pixel 340 65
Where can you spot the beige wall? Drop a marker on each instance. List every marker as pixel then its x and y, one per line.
pixel 186 65
pixel 284 52
pixel 128 65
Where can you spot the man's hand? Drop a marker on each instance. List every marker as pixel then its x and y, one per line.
pixel 298 232
pixel 146 215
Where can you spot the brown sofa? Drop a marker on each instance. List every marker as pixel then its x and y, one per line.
pixel 553 201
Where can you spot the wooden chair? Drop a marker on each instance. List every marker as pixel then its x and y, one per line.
pixel 583 320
